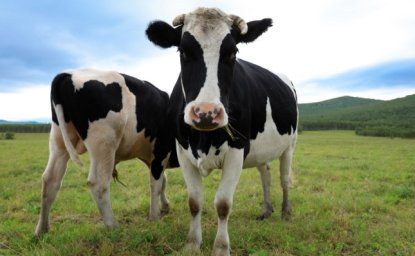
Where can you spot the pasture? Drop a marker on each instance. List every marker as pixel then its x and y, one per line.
pixel 351 196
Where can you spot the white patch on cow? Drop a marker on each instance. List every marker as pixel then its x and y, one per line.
pixel 110 126
pixel 269 144
pixel 205 162
pixel 210 44
pixel 81 76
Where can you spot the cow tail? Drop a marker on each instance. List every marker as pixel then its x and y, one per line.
pixel 68 144
pixel 58 109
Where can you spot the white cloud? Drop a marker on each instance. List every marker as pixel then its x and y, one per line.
pixel 310 40
pixel 29 103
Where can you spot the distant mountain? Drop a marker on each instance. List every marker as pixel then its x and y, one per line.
pixel 395 118
pixel 19 122
pixel 334 105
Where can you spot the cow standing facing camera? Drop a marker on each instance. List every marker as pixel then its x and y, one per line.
pixel 227 113
pixel 114 117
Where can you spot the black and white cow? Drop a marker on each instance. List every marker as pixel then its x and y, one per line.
pixel 228 113
pixel 114 117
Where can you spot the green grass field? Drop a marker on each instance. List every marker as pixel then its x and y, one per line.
pixel 351 196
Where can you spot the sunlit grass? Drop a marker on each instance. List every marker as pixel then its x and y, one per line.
pixel 351 196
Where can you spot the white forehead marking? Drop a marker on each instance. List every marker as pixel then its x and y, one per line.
pixel 209 27
pixel 81 76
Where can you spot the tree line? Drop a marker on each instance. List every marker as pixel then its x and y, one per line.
pixel 362 128
pixel 25 128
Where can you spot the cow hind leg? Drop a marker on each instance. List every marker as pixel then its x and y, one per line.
pixel 267 209
pixel 285 178
pixel 51 182
pixel 102 165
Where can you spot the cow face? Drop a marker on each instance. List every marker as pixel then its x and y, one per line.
pixel 207 40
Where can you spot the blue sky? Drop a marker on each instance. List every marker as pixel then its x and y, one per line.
pixel 328 48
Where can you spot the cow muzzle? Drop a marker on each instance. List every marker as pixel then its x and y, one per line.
pixel 206 116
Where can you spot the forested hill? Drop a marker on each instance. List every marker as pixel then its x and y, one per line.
pixel 393 118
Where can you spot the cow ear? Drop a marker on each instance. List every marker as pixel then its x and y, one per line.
pixel 255 29
pixel 163 35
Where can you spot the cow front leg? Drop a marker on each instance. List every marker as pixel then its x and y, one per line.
pixel 231 172
pixel 267 209
pixel 194 186
pixel 195 200
pixel 158 192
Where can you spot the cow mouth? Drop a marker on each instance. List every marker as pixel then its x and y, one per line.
pixel 206 124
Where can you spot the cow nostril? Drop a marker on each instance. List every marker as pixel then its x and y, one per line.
pixel 197 109
pixel 210 113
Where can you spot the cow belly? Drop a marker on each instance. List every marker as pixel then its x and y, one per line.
pixel 134 145
pixel 269 144
pixel 266 148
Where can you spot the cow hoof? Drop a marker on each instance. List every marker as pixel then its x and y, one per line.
pixel 153 217
pixel 112 226
pixel 265 215
pixel 165 209
pixel 41 229
pixel 191 249
pixel 286 214
pixel 221 247
pixel 221 252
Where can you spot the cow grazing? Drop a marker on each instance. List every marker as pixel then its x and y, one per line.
pixel 228 113
pixel 114 117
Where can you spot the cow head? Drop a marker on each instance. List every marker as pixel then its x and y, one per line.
pixel 207 40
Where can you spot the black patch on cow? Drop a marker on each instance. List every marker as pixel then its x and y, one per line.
pixel 54 95
pixel 150 106
pixel 193 66
pixel 88 104
pixel 264 84
pixel 227 58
